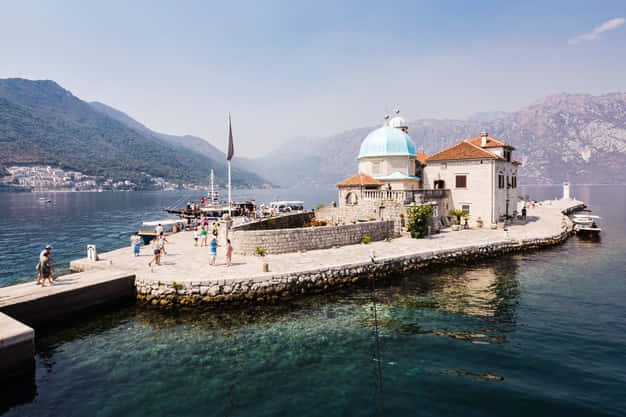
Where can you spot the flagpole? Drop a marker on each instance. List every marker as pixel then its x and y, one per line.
pixel 229 156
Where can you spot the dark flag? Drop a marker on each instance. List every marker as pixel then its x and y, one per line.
pixel 231 148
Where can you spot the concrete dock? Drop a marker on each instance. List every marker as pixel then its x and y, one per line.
pixel 17 344
pixel 185 272
pixel 25 305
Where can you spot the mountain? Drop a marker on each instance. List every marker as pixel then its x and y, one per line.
pixel 188 142
pixel 42 123
pixel 575 137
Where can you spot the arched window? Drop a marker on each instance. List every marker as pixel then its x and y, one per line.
pixel 351 199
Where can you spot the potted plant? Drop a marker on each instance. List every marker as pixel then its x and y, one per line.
pixel 465 218
pixel 457 214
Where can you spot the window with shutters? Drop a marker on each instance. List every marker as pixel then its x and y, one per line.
pixel 461 181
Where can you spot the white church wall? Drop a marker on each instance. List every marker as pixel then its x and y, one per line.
pixel 479 185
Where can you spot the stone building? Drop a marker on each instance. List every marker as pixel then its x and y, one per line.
pixel 478 176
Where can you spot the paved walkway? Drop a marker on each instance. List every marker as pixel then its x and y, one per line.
pixel 186 262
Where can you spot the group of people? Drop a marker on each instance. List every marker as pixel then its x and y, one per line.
pixel 44 267
pixel 201 232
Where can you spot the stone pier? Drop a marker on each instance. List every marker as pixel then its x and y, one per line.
pixel 186 278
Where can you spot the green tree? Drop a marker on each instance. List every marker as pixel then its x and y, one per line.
pixel 417 217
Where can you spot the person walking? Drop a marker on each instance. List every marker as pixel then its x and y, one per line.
pixel 135 242
pixel 215 229
pixel 213 251
pixel 158 230
pixel 45 270
pixel 156 251
pixel 203 236
pixel 229 253
pixel 161 243
pixel 195 236
pixel 45 254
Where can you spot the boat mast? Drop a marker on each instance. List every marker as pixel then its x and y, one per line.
pixel 212 186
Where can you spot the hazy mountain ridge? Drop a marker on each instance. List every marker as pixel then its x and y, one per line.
pixel 42 123
pixel 576 137
pixel 188 142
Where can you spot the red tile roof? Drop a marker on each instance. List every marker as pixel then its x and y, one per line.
pixel 462 150
pixel 421 156
pixel 491 142
pixel 359 179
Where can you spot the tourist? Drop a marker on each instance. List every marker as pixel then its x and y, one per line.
pixel 43 255
pixel 156 258
pixel 203 235
pixel 161 243
pixel 45 270
pixel 213 251
pixel 158 230
pixel 195 236
pixel 135 242
pixel 215 229
pixel 524 213
pixel 229 253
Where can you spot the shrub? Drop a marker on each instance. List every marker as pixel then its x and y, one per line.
pixel 366 239
pixel 458 213
pixel 418 220
pixel 259 251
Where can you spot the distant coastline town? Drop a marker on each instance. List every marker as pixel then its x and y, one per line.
pixel 51 178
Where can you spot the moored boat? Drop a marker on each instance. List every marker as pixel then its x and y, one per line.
pixel 586 224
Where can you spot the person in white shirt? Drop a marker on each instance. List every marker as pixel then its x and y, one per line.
pixel 159 230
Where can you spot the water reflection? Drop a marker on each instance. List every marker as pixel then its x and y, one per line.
pixel 473 304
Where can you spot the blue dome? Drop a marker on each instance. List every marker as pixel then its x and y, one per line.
pixel 387 141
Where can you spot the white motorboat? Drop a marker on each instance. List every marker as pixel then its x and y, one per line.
pixel 584 219
pixel 586 224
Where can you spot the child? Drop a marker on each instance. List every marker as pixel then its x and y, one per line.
pixel 195 236
pixel 229 253
pixel 213 251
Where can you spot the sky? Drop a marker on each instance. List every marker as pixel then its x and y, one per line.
pixel 293 69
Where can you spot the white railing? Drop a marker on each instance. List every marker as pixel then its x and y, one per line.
pixel 402 195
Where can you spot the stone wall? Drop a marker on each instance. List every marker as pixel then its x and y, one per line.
pixel 284 221
pixel 273 288
pixel 245 242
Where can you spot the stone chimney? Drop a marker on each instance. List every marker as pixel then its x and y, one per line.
pixel 483 138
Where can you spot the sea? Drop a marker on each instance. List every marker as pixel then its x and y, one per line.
pixel 539 333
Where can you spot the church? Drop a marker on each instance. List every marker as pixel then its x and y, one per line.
pixel 476 175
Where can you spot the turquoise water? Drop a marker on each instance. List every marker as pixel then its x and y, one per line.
pixel 539 333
